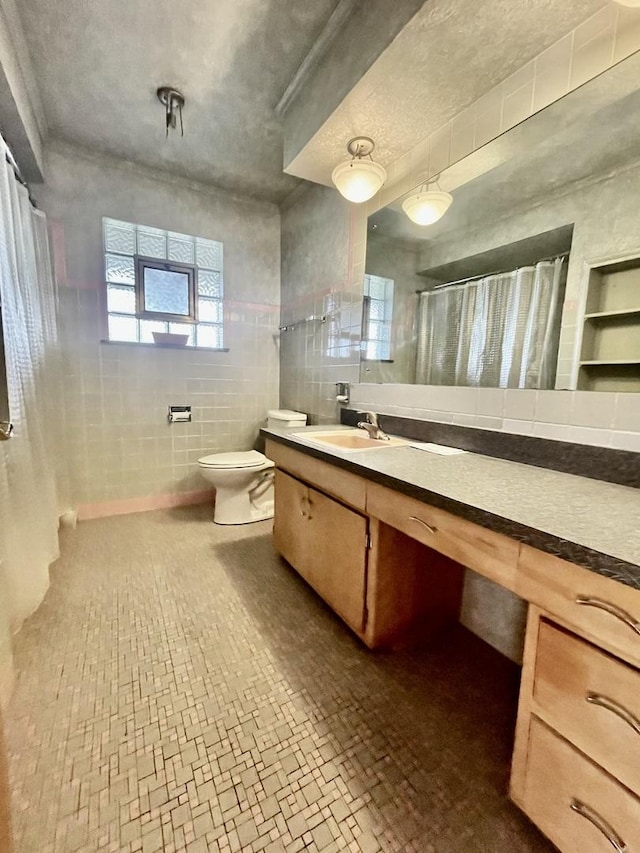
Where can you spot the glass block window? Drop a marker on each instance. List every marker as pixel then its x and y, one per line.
pixel 162 281
pixel 377 318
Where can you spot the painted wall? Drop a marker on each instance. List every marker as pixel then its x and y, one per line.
pixel 21 113
pixel 116 396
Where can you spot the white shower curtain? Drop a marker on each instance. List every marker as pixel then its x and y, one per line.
pixel 496 332
pixel 30 460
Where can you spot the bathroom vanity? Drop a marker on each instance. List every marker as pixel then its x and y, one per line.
pixel 384 537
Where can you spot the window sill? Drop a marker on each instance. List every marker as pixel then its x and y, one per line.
pixel 378 360
pixel 164 346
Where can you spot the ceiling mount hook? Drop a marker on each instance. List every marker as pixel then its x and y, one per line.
pixel 173 102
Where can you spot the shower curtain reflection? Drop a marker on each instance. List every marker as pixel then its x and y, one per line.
pixel 500 331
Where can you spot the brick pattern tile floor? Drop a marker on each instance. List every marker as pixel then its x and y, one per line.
pixel 181 689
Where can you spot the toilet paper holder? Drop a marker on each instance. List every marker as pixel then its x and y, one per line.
pixel 179 414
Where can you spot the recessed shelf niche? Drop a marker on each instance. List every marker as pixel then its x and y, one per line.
pixel 610 354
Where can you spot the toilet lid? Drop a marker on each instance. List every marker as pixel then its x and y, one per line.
pixel 243 459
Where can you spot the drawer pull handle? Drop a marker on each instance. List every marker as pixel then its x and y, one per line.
pixel 615 708
pixel 429 527
pixel 601 824
pixel 618 612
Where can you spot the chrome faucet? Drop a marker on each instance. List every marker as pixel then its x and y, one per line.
pixel 371 426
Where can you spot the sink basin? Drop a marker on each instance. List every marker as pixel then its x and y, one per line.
pixel 351 439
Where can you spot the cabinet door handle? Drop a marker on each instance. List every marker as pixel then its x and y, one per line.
pixel 601 824
pixel 429 527
pixel 618 612
pixel 303 500
pixel 615 708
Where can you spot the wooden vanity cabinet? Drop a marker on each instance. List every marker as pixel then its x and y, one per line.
pixel 386 586
pixel 576 761
pixel 326 542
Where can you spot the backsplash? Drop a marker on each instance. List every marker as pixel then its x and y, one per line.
pixel 598 463
pixel 601 419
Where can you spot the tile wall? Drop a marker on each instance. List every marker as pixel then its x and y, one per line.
pixel 318 280
pixel 116 396
pixel 603 419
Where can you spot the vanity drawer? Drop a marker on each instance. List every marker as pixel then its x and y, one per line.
pixel 576 804
pixel 488 553
pixel 592 699
pixel 347 487
pixel 602 610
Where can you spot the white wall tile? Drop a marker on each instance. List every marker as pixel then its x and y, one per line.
pixel 627 416
pixel 557 432
pixel 520 405
pixel 554 407
pixel 594 409
pixel 490 401
pixel 626 441
pixel 517 427
pixel 585 435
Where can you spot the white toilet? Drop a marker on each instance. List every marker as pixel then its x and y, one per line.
pixel 244 481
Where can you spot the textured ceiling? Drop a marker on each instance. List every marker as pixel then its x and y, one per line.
pixel 98 65
pixel 536 159
pixel 447 56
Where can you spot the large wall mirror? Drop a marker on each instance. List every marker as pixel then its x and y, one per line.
pixel 531 279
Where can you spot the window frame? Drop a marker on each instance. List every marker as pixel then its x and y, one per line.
pixel 141 264
pixel 387 322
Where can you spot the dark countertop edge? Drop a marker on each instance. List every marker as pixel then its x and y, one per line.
pixel 573 552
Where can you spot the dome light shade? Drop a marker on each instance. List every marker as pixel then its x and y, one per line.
pixel 357 179
pixel 427 206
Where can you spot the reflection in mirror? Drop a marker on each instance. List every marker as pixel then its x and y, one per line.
pixel 479 296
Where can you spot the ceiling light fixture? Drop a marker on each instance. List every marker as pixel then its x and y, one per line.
pixel 358 179
pixel 173 102
pixel 427 205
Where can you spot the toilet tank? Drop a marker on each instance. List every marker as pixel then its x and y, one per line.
pixel 284 418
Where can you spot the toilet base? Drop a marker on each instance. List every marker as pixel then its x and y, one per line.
pixel 233 506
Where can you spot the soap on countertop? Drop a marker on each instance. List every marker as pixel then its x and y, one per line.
pixel 442 449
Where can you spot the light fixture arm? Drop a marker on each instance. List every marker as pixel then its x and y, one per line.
pixel 361 146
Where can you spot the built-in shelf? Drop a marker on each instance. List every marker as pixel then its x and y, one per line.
pixel 610 355
pixel 611 361
pixel 606 315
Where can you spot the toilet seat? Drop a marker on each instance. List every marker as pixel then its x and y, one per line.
pixel 242 459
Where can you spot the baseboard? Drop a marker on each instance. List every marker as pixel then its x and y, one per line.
pixel 125 506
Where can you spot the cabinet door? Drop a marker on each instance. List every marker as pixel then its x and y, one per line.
pixel 326 543
pixel 336 540
pixel 290 520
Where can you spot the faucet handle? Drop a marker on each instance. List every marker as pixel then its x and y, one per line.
pixel 371 418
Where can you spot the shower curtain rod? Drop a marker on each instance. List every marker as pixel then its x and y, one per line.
pixel 487 274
